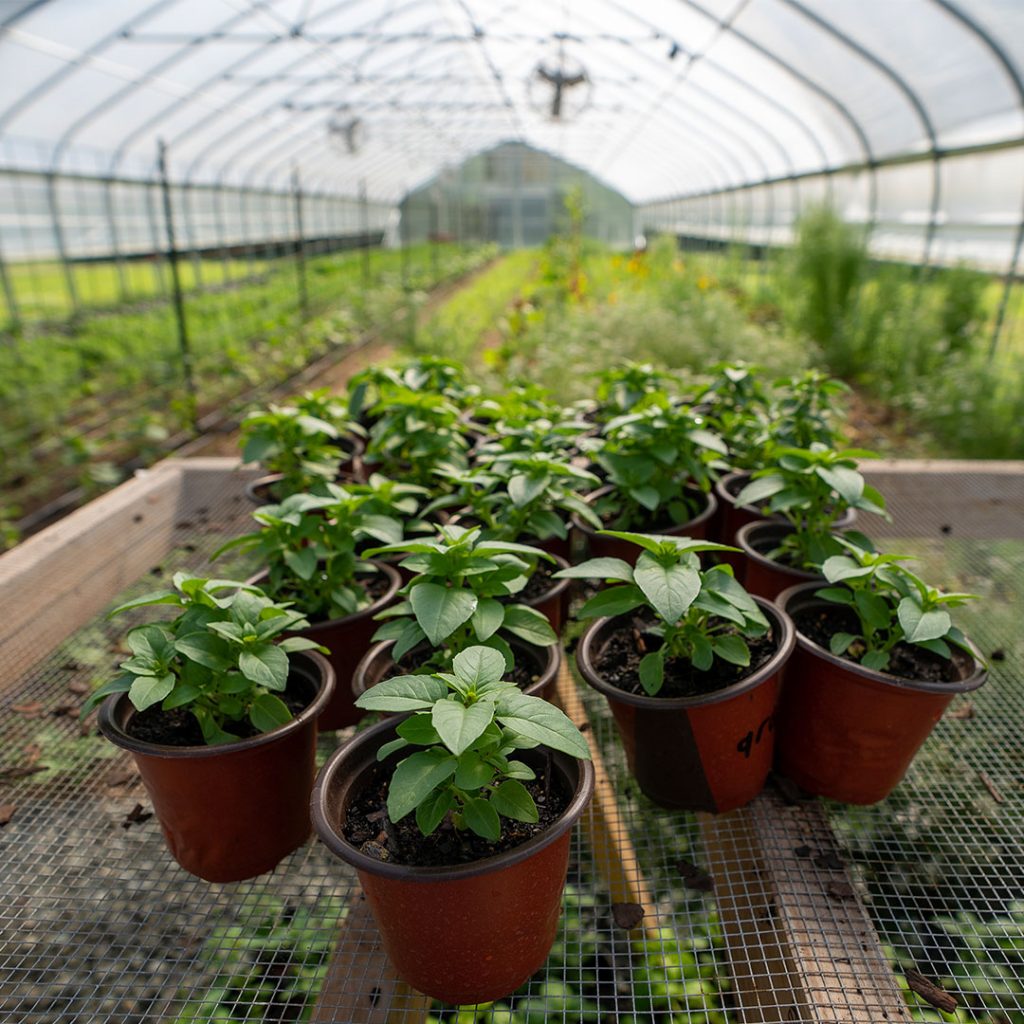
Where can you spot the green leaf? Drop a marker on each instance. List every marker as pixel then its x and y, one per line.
pixel 842 567
pixel 148 690
pixel 266 665
pixel 121 684
pixel 431 812
pixel 598 568
pixel 872 608
pixel 731 648
pixel 613 601
pixel 670 589
pixel 473 771
pixel 158 597
pixel 481 818
pixel 301 643
pixel 519 770
pixel 415 778
pixel 939 647
pixel 876 660
pixel 920 625
pixel 182 694
pixel 302 563
pixel 703 653
pixel 477 666
pixel 538 720
pixel 441 610
pixel 389 748
pixel 488 617
pixel 458 725
pixel 760 490
pixel 403 693
pixel 652 672
pixel 523 488
pixel 846 482
pixel 839 643
pixel 529 625
pixel 647 496
pixel 205 649
pixel 268 712
pixel 408 638
pixel 418 729
pixel 838 595
pixel 512 800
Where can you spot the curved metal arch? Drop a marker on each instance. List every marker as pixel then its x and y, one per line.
pixel 909 94
pixel 830 98
pixel 1007 64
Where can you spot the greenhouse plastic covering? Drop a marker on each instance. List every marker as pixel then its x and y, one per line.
pixel 913 110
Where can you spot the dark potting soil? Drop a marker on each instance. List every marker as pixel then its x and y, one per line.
pixel 908 661
pixel 375 586
pixel 537 586
pixel 367 826
pixel 179 728
pixel 619 664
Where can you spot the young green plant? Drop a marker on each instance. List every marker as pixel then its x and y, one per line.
pixel 699 615
pixel 222 658
pixel 470 722
pixel 892 606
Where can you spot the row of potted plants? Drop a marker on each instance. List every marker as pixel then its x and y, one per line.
pixel 417 512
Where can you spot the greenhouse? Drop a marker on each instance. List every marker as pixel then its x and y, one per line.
pixel 511 512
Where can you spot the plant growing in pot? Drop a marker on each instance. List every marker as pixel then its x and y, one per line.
pixel 691 666
pixel 301 451
pixel 454 602
pixel 660 464
pixel 878 660
pixel 621 390
pixel 309 546
pixel 466 874
pixel 816 491
pixel 530 497
pixel 220 713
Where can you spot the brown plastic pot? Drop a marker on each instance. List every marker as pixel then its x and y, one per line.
pixel 760 574
pixel 347 639
pixel 377 664
pixel 554 602
pixel 233 810
pixel 612 547
pixel 707 753
pixel 472 932
pixel 848 732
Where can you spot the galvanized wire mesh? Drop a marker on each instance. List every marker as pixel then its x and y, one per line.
pixel 97 923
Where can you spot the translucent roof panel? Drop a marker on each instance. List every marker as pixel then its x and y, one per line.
pixel 661 99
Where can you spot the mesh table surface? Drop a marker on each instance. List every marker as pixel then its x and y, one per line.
pixel 97 923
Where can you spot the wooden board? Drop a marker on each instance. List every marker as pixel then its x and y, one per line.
pixel 801 944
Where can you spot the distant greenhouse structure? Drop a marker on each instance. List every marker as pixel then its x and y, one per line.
pixel 514 195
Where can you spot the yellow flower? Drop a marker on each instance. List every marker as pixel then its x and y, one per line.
pixel 704 282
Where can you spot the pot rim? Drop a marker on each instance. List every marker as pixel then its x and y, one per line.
pixel 340 846
pixel 786 641
pixel 549 668
pixel 110 724
pixel 393 576
pixel 744 543
pixel 975 679
pixel 698 520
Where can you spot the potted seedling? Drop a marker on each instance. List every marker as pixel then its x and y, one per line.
pixel 878 660
pixel 370 386
pixel 310 546
pixel 529 497
pixel 220 713
pixel 624 389
pixel 691 665
pixel 454 601
pixel 299 449
pixel 660 464
pixel 800 412
pixel 480 786
pixel 816 491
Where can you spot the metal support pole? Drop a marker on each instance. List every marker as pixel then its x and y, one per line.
pixel 179 300
pixel 433 241
pixel 364 228
pixel 115 242
pixel 62 251
pixel 300 249
pixel 13 316
pixel 154 237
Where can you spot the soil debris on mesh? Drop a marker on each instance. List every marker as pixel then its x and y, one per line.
pixel 792 795
pixel 694 877
pixel 618 663
pixel 963 712
pixel 929 991
pixel 6 813
pixel 907 661
pixel 627 915
pixel 829 861
pixel 136 816
pixel 121 776
pixel 840 890
pixel 30 709
pixel 802 851
pixel 402 843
